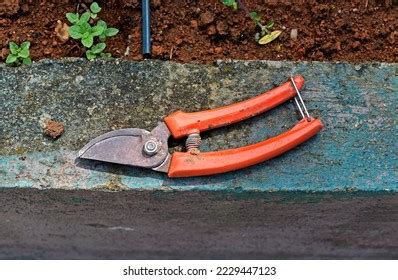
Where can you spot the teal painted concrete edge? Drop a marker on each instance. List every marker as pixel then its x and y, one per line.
pixel 60 170
pixel 357 150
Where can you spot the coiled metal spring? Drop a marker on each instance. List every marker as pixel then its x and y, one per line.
pixel 193 142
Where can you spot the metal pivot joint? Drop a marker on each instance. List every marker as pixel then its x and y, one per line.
pixel 151 147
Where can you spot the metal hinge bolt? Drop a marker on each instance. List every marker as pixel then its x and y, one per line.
pixel 151 148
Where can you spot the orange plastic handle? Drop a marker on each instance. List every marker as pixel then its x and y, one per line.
pixel 187 165
pixel 182 124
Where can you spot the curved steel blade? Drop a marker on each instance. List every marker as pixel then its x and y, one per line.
pixel 125 146
pixel 135 132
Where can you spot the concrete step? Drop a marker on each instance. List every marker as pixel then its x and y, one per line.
pixel 357 150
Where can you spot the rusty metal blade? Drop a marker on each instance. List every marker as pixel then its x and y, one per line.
pixel 134 132
pixel 126 146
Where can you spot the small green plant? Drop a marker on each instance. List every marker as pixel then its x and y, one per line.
pixel 266 34
pixel 231 3
pixel 19 54
pixel 92 37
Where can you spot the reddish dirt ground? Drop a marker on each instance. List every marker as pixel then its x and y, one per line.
pixel 204 31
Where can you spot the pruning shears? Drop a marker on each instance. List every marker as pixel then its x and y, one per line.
pixel 149 149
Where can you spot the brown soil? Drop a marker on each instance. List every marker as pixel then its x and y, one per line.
pixel 53 128
pixel 9 7
pixel 203 31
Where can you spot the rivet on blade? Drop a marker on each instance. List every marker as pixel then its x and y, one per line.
pixel 150 148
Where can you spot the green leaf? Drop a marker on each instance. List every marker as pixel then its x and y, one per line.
pixel 25 45
pixel 270 24
pixel 85 27
pixel 27 61
pixel 102 23
pixel 11 58
pixel 98 48
pixel 90 55
pixel 231 3
pixel 24 53
pixel 269 37
pixel 84 18
pixel 88 41
pixel 14 48
pixel 93 16
pixel 72 17
pixel 109 32
pixel 105 55
pixel 75 32
pixel 95 8
pixel 255 17
pixel 86 34
pixel 97 30
pixel 102 38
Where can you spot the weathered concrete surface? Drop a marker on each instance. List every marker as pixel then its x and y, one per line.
pixel 58 224
pixel 356 150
